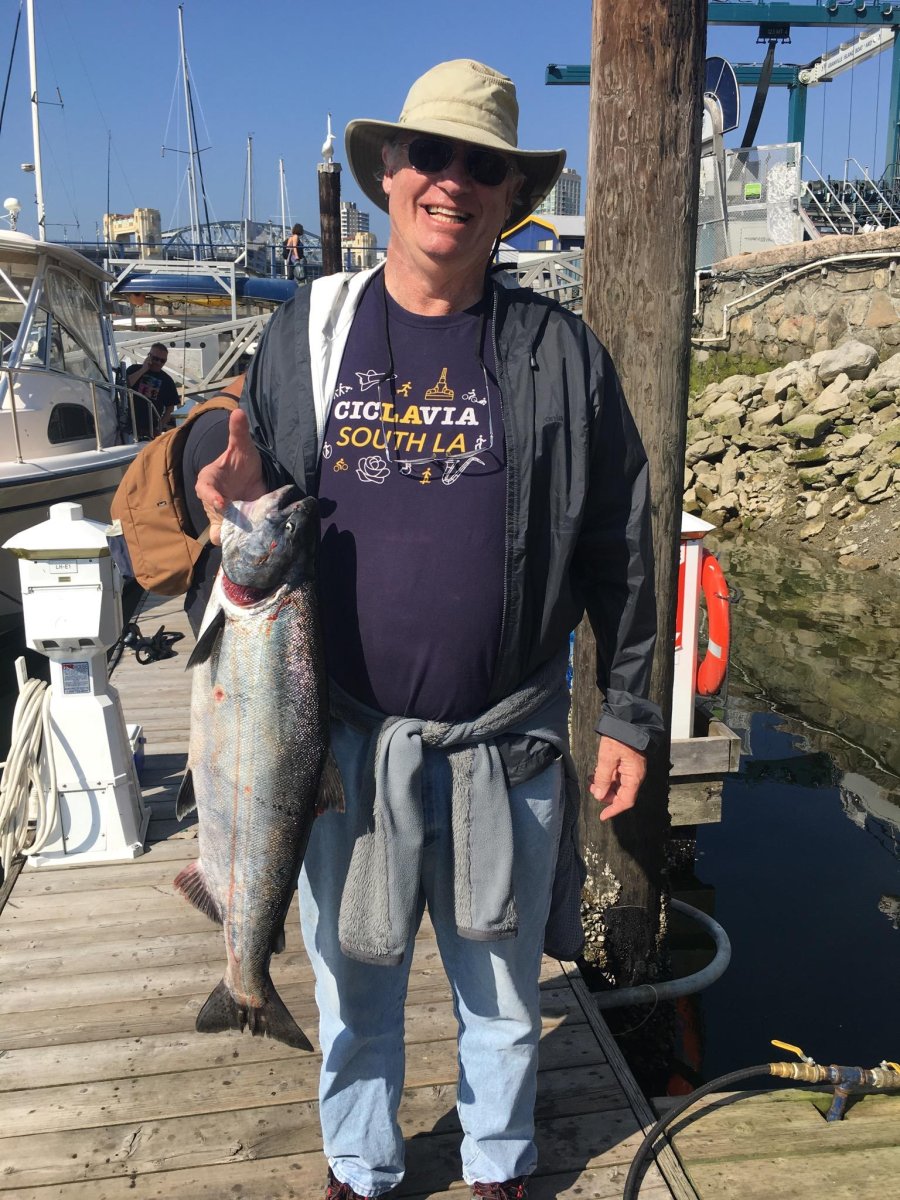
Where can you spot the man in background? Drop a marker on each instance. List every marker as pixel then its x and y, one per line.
pixel 157 397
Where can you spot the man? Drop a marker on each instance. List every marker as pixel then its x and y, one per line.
pixel 480 483
pixel 153 413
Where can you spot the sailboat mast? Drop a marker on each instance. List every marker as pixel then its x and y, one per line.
pixel 249 217
pixel 192 182
pixel 250 177
pixel 36 128
pixel 281 186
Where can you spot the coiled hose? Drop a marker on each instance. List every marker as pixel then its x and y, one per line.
pixel 20 785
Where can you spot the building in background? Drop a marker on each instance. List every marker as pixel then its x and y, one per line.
pixel 564 199
pixel 545 235
pixel 352 221
pixel 359 251
pixel 141 228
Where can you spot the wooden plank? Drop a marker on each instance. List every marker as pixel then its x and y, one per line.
pixel 258 1146
pixel 164 1015
pixel 847 1175
pixel 717 754
pixel 733 1127
pixel 695 802
pixel 194 1140
pixel 144 871
pixel 171 1050
pixel 666 1159
pixel 246 1083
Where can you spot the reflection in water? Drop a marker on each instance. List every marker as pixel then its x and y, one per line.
pixel 821 642
pixel 803 869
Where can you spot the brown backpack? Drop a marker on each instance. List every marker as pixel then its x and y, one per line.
pixel 150 507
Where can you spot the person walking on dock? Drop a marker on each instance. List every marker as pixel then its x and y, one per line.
pixel 480 483
pixel 294 254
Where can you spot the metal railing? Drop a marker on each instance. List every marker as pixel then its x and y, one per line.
pixel 838 202
pixel 559 276
pixel 877 190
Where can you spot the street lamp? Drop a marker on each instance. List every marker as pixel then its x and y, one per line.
pixel 13 208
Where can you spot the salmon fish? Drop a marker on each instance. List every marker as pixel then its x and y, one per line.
pixel 258 751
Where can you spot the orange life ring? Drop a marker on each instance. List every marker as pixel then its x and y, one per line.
pixel 711 672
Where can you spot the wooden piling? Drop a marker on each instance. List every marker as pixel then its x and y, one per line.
pixel 643 174
pixel 330 214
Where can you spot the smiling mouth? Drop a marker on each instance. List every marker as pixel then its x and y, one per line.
pixel 449 215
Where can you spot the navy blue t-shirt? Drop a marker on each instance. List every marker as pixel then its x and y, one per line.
pixel 413 500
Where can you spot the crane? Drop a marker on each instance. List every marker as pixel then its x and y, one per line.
pixel 849 54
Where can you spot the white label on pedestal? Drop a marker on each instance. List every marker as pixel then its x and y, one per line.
pixel 76 678
pixel 63 568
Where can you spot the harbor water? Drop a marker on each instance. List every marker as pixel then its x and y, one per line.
pixel 803 871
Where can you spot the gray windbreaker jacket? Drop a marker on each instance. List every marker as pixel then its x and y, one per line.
pixel 578 509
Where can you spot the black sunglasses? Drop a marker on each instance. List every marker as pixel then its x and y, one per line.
pixel 431 155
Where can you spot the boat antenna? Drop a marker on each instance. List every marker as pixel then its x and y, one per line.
pixel 36 127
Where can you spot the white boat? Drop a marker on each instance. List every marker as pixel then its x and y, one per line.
pixel 66 432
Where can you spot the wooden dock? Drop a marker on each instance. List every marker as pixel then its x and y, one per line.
pixel 108 1092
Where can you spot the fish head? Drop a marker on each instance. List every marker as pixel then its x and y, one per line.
pixel 272 541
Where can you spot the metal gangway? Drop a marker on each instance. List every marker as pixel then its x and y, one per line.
pixel 559 276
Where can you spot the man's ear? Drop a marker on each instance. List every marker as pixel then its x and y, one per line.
pixel 388 173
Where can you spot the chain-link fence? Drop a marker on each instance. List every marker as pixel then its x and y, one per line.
pixel 755 207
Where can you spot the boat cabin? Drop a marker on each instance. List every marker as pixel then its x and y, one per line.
pixel 56 353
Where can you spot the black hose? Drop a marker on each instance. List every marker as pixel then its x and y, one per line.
pixel 632 1185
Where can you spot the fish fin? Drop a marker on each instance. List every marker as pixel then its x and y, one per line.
pixel 279 941
pixel 331 787
pixel 223 1011
pixel 207 640
pixel 185 801
pixel 192 884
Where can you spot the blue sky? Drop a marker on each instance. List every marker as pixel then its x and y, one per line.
pixel 272 69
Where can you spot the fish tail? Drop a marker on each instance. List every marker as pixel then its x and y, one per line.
pixel 224 1011
pixel 192 884
pixel 185 801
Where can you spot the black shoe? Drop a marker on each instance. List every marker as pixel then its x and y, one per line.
pixel 336 1190
pixel 513 1189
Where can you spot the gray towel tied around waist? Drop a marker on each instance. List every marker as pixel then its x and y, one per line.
pixel 381 890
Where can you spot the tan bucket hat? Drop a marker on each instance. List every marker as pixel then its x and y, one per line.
pixel 467 101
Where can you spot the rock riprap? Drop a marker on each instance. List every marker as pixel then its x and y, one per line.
pixel 814 443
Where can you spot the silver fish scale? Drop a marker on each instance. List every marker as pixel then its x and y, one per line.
pixel 258 742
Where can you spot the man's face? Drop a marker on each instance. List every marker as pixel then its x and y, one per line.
pixel 157 358
pixel 445 216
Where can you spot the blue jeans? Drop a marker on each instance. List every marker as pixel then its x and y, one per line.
pixel 496 995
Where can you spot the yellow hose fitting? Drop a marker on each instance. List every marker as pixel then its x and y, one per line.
pixel 793 1049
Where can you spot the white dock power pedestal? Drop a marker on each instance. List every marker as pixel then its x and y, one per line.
pixel 72 602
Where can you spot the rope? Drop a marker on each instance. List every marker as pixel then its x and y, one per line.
pixel 849 121
pixel 21 789
pixel 12 54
